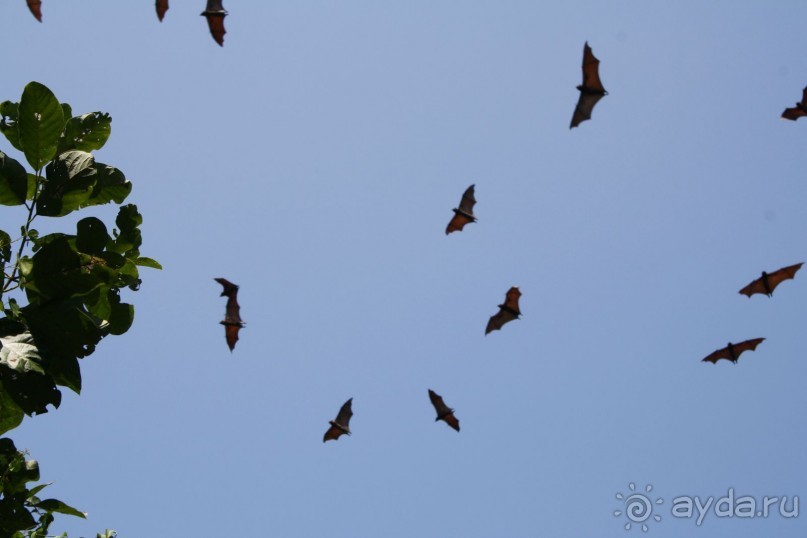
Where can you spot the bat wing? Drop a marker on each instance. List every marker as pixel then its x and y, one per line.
pixel 584 108
pixel 511 300
pixel 785 273
pixel 793 113
pixel 591 72
pixel 345 413
pixel 162 7
pixel 233 312
pixel 229 287
pixel 444 412
pixel 757 286
pixel 36 9
pixel 732 352
pixel 231 333
pixel 333 433
pixel 215 14
pixel 341 425
pixel 507 311
pixel 464 213
pixel 232 315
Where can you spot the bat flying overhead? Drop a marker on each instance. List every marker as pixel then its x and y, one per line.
pixel 797 111
pixel 591 90
pixel 464 213
pixel 341 424
pixel 232 316
pixel 732 352
pixel 162 7
pixel 36 8
pixel 768 281
pixel 215 14
pixel 507 311
pixel 444 412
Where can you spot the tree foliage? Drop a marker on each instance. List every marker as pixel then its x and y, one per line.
pixel 60 292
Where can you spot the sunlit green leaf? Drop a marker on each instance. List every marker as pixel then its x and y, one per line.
pixel 55 505
pixel 40 122
pixel 8 123
pixel 19 352
pixel 148 262
pixel 87 132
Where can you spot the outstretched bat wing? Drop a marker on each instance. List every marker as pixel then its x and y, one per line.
pixel 36 9
pixel 215 14
pixel 341 425
pixel 162 7
pixel 507 311
pixel 732 352
pixel 584 108
pixel 591 90
pixel 797 111
pixel 769 281
pixel 464 213
pixel 444 412
pixel 232 315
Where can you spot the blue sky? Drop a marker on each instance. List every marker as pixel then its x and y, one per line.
pixel 314 160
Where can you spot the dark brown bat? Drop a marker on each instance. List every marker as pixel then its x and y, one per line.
pixel 732 352
pixel 162 7
pixel 797 111
pixel 341 424
pixel 464 213
pixel 36 8
pixel 215 14
pixel 507 311
pixel 591 90
pixel 768 281
pixel 232 316
pixel 444 412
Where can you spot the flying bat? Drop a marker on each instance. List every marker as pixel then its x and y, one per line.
pixel 591 90
pixel 507 311
pixel 768 281
pixel 341 424
pixel 464 213
pixel 232 316
pixel 444 413
pixel 797 111
pixel 162 7
pixel 36 8
pixel 215 14
pixel 732 352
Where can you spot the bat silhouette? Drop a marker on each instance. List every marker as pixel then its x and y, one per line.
pixel 232 316
pixel 444 413
pixel 341 424
pixel 797 111
pixel 732 352
pixel 591 90
pixel 464 213
pixel 215 14
pixel 507 311
pixel 162 7
pixel 768 281
pixel 36 8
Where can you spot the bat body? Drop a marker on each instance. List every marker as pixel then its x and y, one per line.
pixel 591 90
pixel 232 316
pixel 732 352
pixel 768 281
pixel 162 7
pixel 464 213
pixel 797 111
pixel 507 311
pixel 36 9
pixel 444 413
pixel 215 14
pixel 341 424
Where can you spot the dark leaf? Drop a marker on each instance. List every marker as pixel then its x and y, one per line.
pixel 13 181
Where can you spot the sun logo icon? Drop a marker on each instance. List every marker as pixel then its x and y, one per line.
pixel 638 507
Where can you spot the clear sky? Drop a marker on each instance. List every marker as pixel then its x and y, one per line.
pixel 314 160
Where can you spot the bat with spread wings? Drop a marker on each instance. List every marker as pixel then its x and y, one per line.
pixel 591 90
pixel 444 413
pixel 36 9
pixel 507 311
pixel 215 14
pixel 232 316
pixel 341 424
pixel 464 213
pixel 732 352
pixel 162 7
pixel 797 111
pixel 768 281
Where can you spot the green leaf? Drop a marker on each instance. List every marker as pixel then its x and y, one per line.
pixel 5 247
pixel 32 183
pixel 19 352
pixel 8 123
pixel 122 314
pixel 31 392
pixel 148 262
pixel 87 132
pixel 91 237
pixel 10 413
pixel 13 181
pixel 55 505
pixel 40 123
pixel 70 180
pixel 110 186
